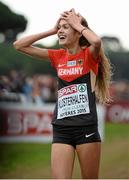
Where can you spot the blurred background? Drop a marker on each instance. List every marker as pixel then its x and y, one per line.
pixel 28 87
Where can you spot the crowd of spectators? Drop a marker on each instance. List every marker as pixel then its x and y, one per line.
pixel 18 87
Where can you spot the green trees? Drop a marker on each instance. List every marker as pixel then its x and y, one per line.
pixel 10 59
pixel 112 44
pixel 10 23
pixel 118 56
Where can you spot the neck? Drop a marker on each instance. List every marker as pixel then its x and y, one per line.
pixel 74 50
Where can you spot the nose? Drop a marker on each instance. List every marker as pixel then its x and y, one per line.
pixel 60 30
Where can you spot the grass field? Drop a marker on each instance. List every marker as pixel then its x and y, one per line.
pixel 29 160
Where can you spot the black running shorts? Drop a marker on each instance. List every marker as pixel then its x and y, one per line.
pixel 75 135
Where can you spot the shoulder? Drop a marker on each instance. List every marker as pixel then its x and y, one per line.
pixel 56 53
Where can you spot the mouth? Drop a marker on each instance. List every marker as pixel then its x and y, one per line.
pixel 62 37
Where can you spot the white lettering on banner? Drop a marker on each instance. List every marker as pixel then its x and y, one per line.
pixel 45 124
pixel 14 115
pixel 117 113
pixel 73 100
pixel 70 71
pixel 14 123
pixel 29 123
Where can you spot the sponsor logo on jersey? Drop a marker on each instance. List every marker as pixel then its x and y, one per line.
pixel 61 65
pixel 79 62
pixel 67 90
pixel 71 63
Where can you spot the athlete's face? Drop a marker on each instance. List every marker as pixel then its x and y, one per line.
pixel 67 35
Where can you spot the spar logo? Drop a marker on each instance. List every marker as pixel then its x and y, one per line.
pixel 67 90
pixel 30 123
pixel 82 88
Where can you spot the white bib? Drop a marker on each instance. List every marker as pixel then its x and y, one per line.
pixel 73 100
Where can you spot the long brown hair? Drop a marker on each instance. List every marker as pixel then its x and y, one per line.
pixel 103 79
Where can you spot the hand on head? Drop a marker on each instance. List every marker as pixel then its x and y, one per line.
pixel 68 14
pixel 72 18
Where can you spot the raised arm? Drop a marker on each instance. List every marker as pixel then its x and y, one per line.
pixel 75 21
pixel 25 44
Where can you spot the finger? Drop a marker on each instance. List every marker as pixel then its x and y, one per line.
pixel 64 15
pixel 73 10
pixel 66 12
pixel 64 18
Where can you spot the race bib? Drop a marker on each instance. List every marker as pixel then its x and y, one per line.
pixel 73 100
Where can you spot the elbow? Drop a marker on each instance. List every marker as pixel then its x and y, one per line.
pixel 97 43
pixel 16 45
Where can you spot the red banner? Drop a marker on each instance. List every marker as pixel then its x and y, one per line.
pixel 26 122
pixel 118 112
pixel 32 123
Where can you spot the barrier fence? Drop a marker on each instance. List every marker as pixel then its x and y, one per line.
pixel 32 123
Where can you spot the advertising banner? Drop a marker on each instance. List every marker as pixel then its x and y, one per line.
pixel 118 112
pixel 25 123
pixel 32 123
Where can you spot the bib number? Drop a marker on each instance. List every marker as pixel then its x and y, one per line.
pixel 73 100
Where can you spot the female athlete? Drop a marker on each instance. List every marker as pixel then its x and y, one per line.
pixel 84 74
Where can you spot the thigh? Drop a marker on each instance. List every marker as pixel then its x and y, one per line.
pixel 62 160
pixel 89 158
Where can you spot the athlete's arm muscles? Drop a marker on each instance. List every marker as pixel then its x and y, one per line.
pixel 36 52
pixel 94 40
pixel 25 45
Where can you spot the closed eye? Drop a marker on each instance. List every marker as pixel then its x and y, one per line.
pixel 64 26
